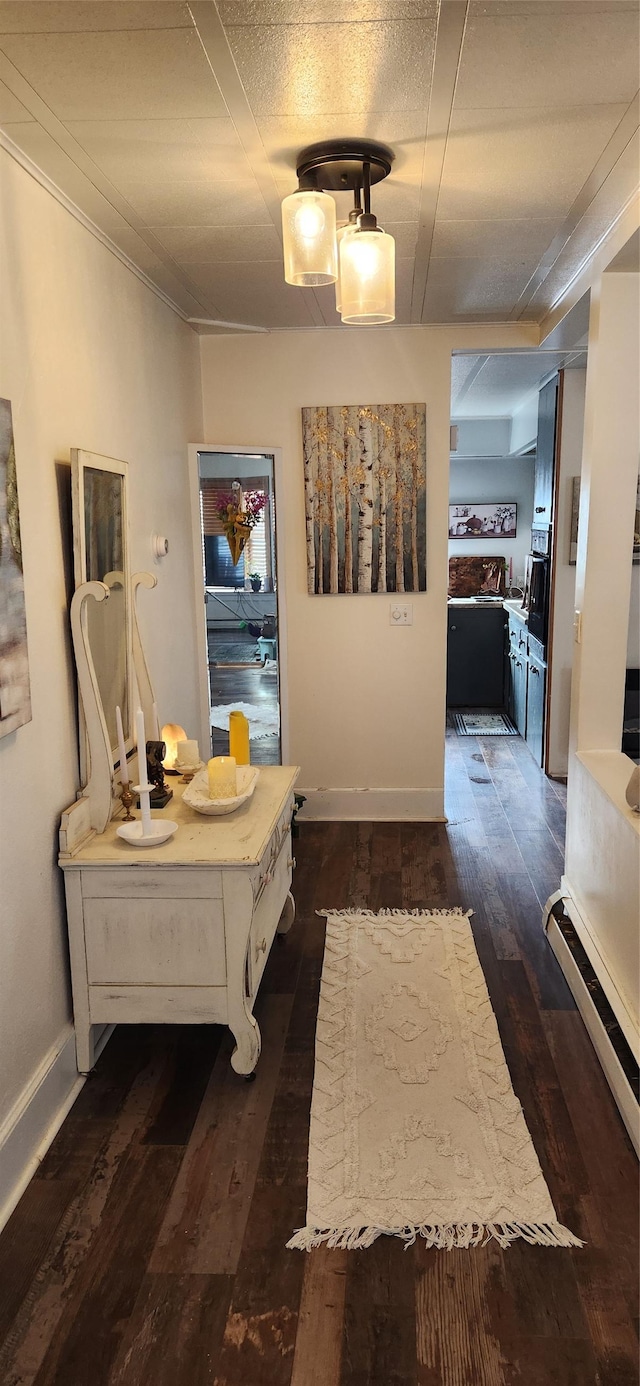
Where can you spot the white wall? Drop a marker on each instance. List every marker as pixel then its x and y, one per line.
pixel 91 358
pixel 367 702
pixel 482 437
pixel 524 425
pixel 561 636
pixel 603 835
pixel 495 479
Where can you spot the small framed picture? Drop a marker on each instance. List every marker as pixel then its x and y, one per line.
pixel 496 520
pixel 575 511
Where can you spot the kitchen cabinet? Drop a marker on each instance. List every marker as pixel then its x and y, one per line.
pixel 526 674
pixel 545 454
pixel 535 707
pixel 475 656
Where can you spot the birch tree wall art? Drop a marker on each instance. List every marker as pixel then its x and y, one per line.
pixel 15 694
pixel 365 497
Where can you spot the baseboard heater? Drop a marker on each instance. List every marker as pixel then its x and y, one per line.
pixel 614 1052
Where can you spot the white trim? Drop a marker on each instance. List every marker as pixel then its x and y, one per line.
pixel 595 264
pixel 611 1066
pixel 373 805
pixel 589 940
pixel 194 449
pixel 35 172
pixel 37 1115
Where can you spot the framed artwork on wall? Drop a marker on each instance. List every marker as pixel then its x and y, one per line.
pixel 496 520
pixel 575 511
pixel 15 688
pixel 365 498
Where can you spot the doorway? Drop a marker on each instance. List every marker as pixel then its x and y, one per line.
pixel 237 576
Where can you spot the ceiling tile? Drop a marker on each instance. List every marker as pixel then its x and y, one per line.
pixel 481 8
pixel 510 164
pixel 322 11
pixel 404 131
pixel 501 384
pixel 10 107
pixel 162 150
pixel 206 245
pixel 519 241
pixel 471 288
pixel 549 59
pixel 254 294
pixel 34 17
pixel 203 203
pixel 404 282
pixel 118 76
pixel 312 69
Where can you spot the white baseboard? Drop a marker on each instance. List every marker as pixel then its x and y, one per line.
pixel 37 1115
pixel 611 1066
pixel 373 805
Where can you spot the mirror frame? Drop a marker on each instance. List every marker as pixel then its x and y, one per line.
pixel 81 460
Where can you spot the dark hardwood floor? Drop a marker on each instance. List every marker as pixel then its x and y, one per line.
pixel 149 1250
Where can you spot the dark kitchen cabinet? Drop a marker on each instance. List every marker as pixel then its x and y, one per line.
pixel 475 656
pixel 519 675
pixel 545 454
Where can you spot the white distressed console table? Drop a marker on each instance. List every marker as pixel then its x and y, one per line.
pixel 181 932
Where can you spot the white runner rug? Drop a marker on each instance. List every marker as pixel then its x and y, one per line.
pixel 415 1127
pixel 263 719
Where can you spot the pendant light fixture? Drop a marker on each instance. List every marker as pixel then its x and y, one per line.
pixel 360 257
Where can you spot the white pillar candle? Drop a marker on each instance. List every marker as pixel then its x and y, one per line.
pixel 122 751
pixel 187 753
pixel 142 750
pixel 222 777
pixel 155 728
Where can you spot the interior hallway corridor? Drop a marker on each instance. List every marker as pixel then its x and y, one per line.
pixel 150 1247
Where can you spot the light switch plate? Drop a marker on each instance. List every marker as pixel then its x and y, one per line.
pixel 401 614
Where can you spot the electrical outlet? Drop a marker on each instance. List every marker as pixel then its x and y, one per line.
pixel 577 627
pixel 401 614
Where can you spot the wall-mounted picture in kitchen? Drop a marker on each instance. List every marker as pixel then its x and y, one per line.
pixel 365 493
pixel 498 519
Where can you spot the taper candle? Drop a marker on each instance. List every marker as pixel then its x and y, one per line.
pixel 222 777
pixel 142 749
pixel 122 750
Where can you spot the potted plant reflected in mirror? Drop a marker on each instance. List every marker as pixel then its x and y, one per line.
pixel 255 582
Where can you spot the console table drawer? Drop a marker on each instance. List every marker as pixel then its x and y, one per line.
pixel 155 942
pixel 267 913
pixel 169 883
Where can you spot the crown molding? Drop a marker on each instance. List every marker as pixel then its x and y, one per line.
pixel 39 176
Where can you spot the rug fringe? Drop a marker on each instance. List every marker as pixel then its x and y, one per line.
pixel 393 914
pixel 444 1237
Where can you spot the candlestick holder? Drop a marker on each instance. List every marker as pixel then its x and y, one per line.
pixel 127 800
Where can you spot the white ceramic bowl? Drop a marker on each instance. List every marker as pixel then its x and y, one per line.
pixel 196 794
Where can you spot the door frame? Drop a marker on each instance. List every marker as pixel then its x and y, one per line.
pixel 202 651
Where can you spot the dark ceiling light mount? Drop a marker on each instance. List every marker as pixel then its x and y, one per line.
pixel 360 257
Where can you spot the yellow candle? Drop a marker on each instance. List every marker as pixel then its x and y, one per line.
pixel 222 777
pixel 239 738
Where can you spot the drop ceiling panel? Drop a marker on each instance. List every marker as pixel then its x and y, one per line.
pixel 208 245
pixel 253 294
pixel 321 11
pixel 310 70
pixel 502 383
pixel 521 241
pixel 549 59
pixel 132 75
pixel 36 17
pixel 472 288
pixel 162 151
pixel 543 8
pixel 47 154
pixel 284 136
pixel 198 203
pixel 10 107
pixel 510 164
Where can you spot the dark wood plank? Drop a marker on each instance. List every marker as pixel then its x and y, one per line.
pixel 379 1343
pixel 174 1334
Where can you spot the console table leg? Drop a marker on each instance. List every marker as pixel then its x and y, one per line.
pixel 288 915
pixel 246 1033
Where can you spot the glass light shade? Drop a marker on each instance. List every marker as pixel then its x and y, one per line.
pixel 368 277
pixel 342 231
pixel 309 239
